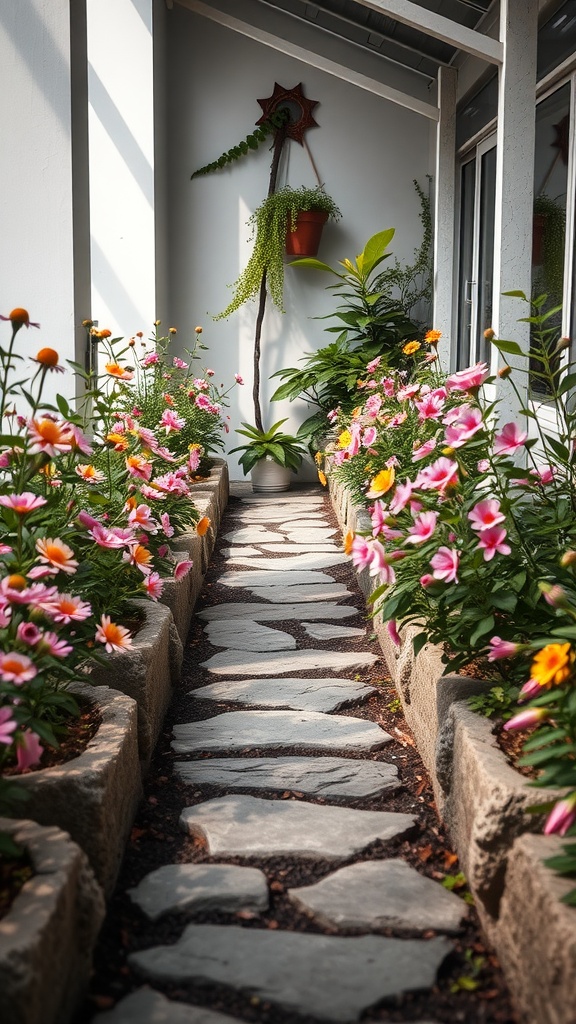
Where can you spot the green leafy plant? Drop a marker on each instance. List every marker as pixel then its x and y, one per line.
pixel 270 221
pixel 252 141
pixel 285 449
pixel 498 702
pixel 552 223
pixel 410 284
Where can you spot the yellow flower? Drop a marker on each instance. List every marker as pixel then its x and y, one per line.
pixel 344 439
pixel 348 541
pixel 322 478
pixel 381 483
pixel 411 347
pixel 318 458
pixel 432 337
pixel 448 450
pixel 552 665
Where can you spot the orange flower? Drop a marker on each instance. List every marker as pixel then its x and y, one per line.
pixel 411 347
pixel 198 330
pixel 115 370
pixel 55 552
pixel 202 526
pixel 432 337
pixel 90 473
pixel 348 540
pixel 381 483
pixel 17 582
pixel 118 440
pixel 552 665
pixel 322 478
pixel 48 358
pixel 116 638
pixel 19 318
pixel 172 330
pixel 141 557
pixel 50 437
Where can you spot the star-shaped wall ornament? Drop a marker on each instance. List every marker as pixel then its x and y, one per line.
pixel 299 107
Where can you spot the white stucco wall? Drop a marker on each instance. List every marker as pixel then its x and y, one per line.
pixel 36 171
pixel 367 151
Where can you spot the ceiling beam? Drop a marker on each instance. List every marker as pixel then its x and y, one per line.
pixel 313 59
pixel 435 25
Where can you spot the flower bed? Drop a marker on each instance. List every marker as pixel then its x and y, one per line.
pixel 47 937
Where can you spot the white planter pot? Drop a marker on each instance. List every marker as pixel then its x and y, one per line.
pixel 268 477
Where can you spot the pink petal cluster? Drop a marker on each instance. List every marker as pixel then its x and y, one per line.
pixel 492 540
pixel 509 440
pixel 445 565
pixel 467 380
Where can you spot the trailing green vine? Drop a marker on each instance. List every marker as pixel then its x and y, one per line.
pixel 411 285
pixel 250 143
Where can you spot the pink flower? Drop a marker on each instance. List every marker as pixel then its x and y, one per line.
pixel 369 436
pixel 393 632
pixel 544 474
pixel 202 402
pixel 483 466
pixel 29 750
pixel 80 440
pixel 379 564
pixel 492 541
pixel 141 516
pixel 424 449
pixel 172 483
pixel 151 359
pixel 7 726
pixel 114 637
pixel 441 474
pixel 430 408
pixel 138 467
pixel 562 816
pixel 398 420
pixel 388 386
pixel 52 645
pixel 179 363
pixel 28 633
pixel 171 421
pixel 402 496
pixel 423 528
pixel 106 538
pixel 530 689
pixel 22 503
pixel 54 552
pixel 16 668
pixel 151 493
pixel 332 415
pixel 373 364
pixel 486 514
pixel 194 459
pixel 153 585
pixel 182 569
pixel 361 552
pixel 502 649
pixel 468 422
pixel 238 378
pixel 373 405
pixel 167 527
pixel 210 373
pixel 466 380
pixel 407 392
pixel 509 439
pixel 427 580
pixel 445 565
pixel 526 719
pixel 66 608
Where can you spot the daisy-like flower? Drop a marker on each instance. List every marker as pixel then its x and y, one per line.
pixel 509 440
pixel 19 318
pixel 49 436
pixel 52 645
pixel 142 516
pixel 118 440
pixel 492 540
pixel 114 637
pixel 171 421
pixel 29 750
pixel 182 569
pixel 552 665
pixel 411 347
pixel 153 585
pixel 22 503
pixel 423 528
pixel 485 514
pixel 139 556
pixel 66 608
pixel 16 668
pixel 48 358
pixel 432 337
pixel 381 483
pixel 179 363
pixel 7 726
pixel 79 440
pixel 54 551
pixel 139 467
pixel 120 372
pixel 89 473
pixel 445 565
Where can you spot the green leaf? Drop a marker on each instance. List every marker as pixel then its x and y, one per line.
pixel 418 643
pixel 510 347
pixel 516 294
pixel 486 625
pixel 310 261
pixel 376 247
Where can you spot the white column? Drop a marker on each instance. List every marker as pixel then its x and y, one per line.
pixel 42 265
pixel 444 206
pixel 121 124
pixel 514 177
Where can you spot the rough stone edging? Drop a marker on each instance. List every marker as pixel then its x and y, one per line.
pixel 94 797
pixel 47 937
pixel 483 802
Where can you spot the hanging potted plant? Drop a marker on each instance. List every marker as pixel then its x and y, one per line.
pixel 271 456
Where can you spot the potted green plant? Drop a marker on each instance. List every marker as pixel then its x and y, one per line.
pixel 276 218
pixel 270 456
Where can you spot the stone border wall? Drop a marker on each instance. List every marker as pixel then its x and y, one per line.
pixel 483 802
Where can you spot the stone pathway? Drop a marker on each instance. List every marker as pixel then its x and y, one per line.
pixel 293 744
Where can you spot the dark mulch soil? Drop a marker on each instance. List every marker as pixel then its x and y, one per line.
pixel 470 987
pixel 74 736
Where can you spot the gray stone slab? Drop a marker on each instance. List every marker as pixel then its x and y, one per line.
pixel 258 517
pixel 308 730
pixel 306 560
pixel 249 552
pixel 248 635
pixel 381 894
pixel 310 533
pixel 274 578
pixel 300 694
pixel 333 777
pixel 248 826
pixel 324 976
pixel 331 631
pixel 252 535
pixel 148 1007
pixel 304 592
pixel 310 524
pixel 276 613
pixel 237 663
pixel 278 499
pixel 289 549
pixel 198 887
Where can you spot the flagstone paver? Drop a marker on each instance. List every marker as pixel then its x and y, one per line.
pixel 381 894
pixel 300 694
pixel 320 560
pixel 148 1007
pixel 310 533
pixel 303 592
pixel 334 777
pixel 249 826
pixel 275 578
pixel 248 635
pixel 252 535
pixel 329 977
pixel 236 663
pixel 276 613
pixel 256 517
pixel 331 631
pixel 198 887
pixel 293 548
pixel 248 551
pixel 308 730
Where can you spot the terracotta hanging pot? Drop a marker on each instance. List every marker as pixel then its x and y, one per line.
pixel 305 239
